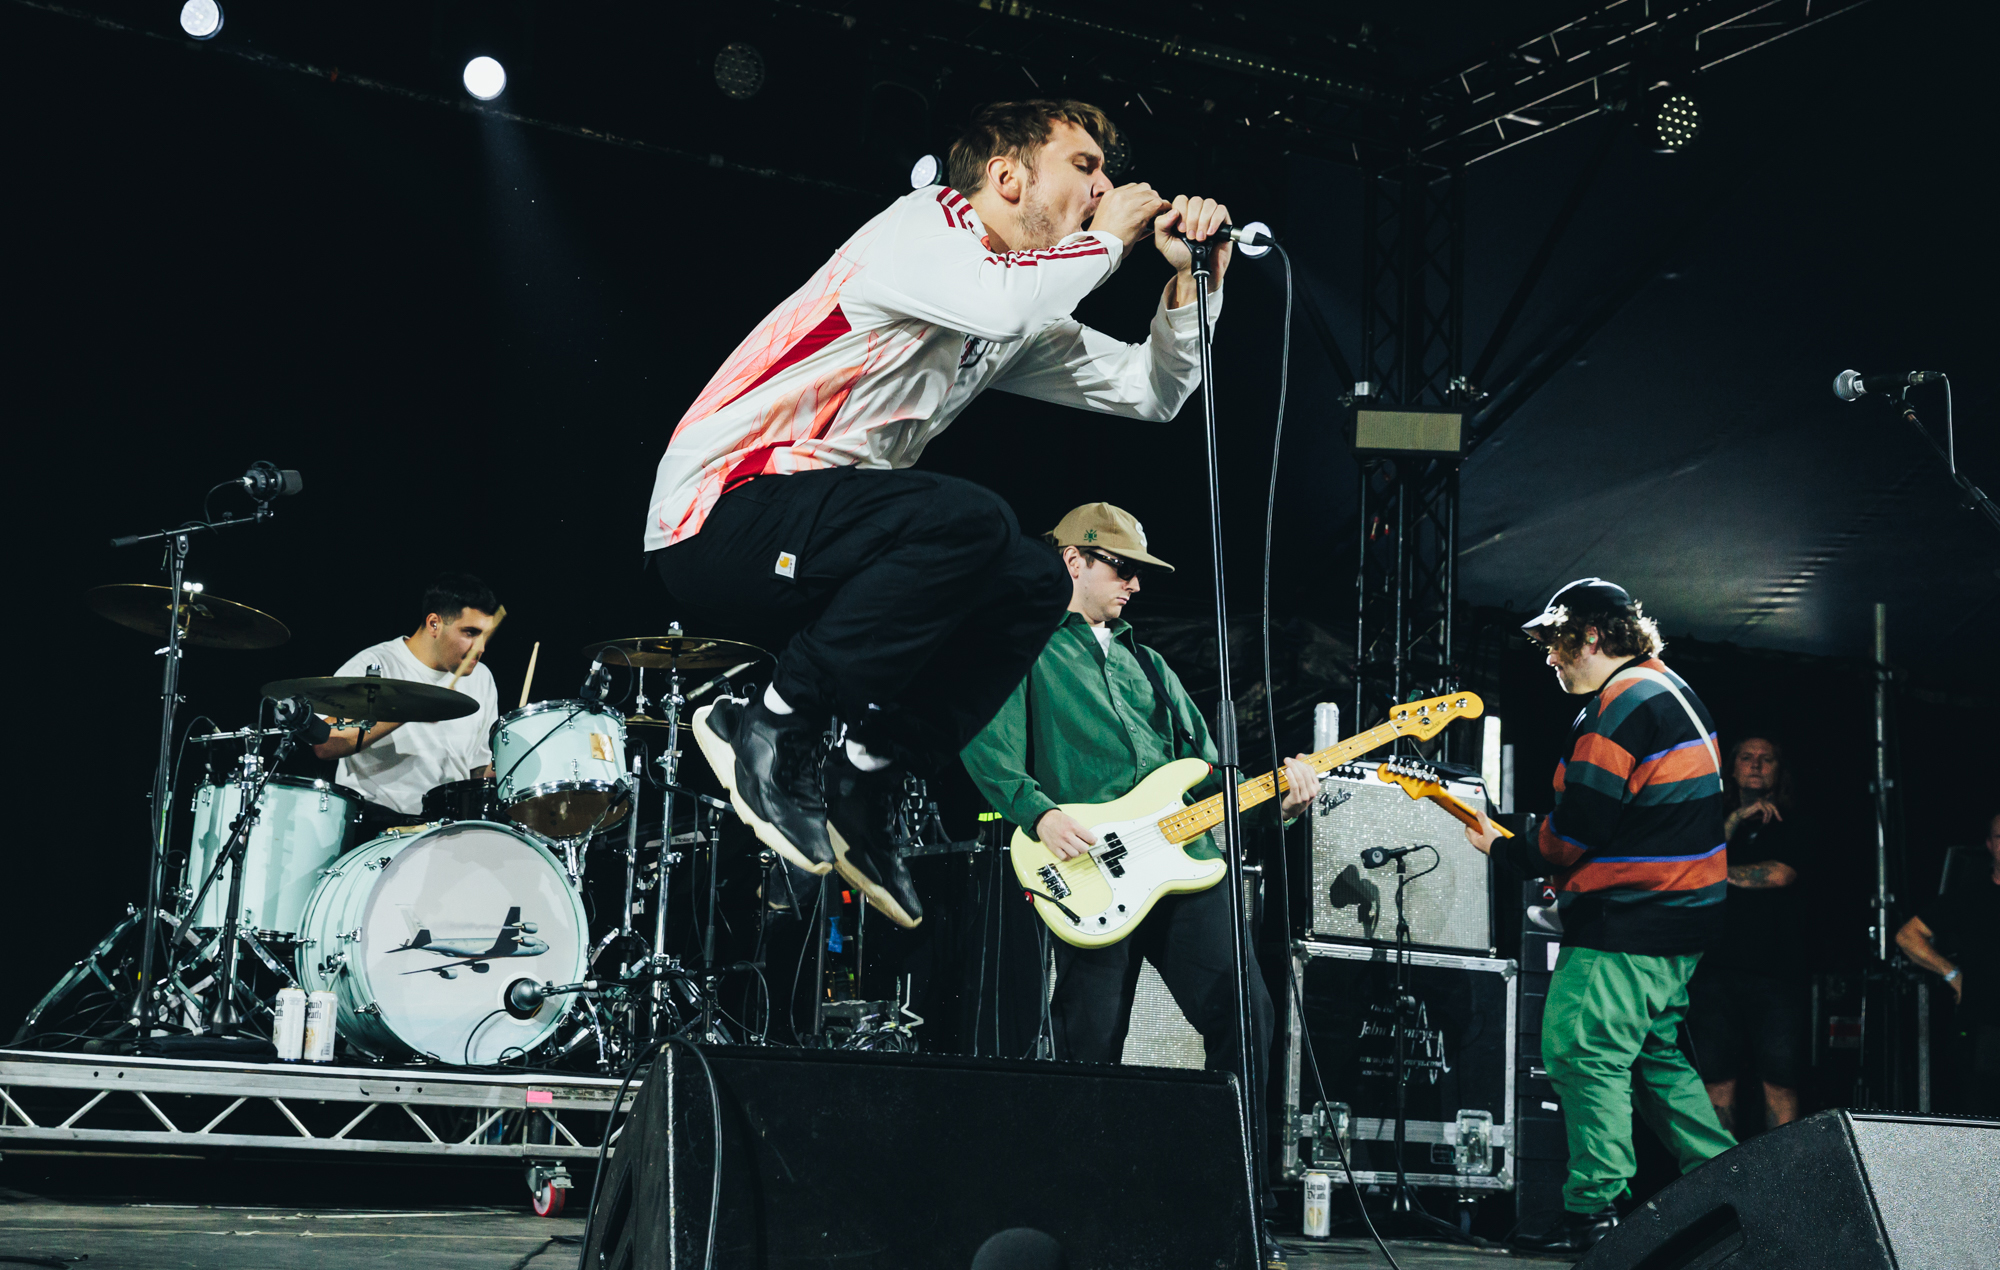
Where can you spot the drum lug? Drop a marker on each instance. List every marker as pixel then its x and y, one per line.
pixel 380 862
pixel 333 964
pixel 350 936
pixel 370 1008
pixel 576 769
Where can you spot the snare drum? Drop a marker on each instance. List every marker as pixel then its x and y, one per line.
pixel 561 767
pixel 301 827
pixel 464 800
pixel 420 935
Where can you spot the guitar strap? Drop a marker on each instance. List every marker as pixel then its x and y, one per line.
pixel 1700 731
pixel 1184 746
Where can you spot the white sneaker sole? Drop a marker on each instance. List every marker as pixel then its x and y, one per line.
pixel 721 758
pixel 877 895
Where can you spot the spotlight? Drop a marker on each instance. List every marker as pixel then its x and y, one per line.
pixel 1678 122
pixel 739 71
pixel 925 172
pixel 485 78
pixel 1117 158
pixel 201 18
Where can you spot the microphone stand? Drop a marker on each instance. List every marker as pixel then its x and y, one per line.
pixel 178 542
pixel 1973 498
pixel 1229 764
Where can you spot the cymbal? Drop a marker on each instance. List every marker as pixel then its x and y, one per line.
pixel 675 652
pixel 372 697
pixel 209 620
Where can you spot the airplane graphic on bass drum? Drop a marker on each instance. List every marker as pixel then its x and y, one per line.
pixel 512 941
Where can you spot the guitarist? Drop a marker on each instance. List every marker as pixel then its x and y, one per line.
pixel 1635 850
pixel 1099 712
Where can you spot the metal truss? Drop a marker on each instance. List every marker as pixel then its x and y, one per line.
pixel 1413 273
pixel 1561 77
pixel 164 1106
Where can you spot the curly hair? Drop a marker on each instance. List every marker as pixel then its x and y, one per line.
pixel 1781 792
pixel 1620 632
pixel 1018 130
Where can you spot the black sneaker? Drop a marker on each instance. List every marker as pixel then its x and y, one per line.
pixel 861 810
pixel 1572 1232
pixel 769 763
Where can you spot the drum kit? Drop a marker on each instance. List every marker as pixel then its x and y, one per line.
pixel 459 935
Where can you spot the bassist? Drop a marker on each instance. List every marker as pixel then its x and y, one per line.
pixel 1097 713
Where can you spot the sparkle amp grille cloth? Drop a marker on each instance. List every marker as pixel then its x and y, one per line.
pixel 1449 908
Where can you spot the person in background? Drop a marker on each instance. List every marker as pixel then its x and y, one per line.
pixel 1747 1002
pixel 1958 937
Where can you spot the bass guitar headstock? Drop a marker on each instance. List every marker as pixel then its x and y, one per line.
pixel 1419 780
pixel 1425 719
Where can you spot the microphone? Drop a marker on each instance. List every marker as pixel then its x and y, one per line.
pixel 1376 857
pixel 596 684
pixel 296 715
pixel 1850 385
pixel 1254 238
pixel 267 481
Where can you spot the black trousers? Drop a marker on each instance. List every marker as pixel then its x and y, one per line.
pixel 1746 1024
pixel 906 603
pixel 1186 937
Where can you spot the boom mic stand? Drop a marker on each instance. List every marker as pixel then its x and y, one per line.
pixel 177 542
pixel 1230 764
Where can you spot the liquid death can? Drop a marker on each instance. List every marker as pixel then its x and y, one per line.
pixel 1319 1204
pixel 288 1024
pixel 320 1014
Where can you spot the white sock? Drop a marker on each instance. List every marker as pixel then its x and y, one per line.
pixel 773 702
pixel 863 760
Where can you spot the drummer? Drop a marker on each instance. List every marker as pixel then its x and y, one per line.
pixel 396 764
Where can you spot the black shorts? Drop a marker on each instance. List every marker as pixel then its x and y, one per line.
pixel 1748 1025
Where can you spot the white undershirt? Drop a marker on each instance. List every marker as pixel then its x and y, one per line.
pixel 1103 633
pixel 400 768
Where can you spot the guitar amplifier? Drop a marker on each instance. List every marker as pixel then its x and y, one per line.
pixel 1450 906
pixel 1459 1049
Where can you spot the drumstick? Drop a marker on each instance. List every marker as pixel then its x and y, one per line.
pixel 529 682
pixel 478 647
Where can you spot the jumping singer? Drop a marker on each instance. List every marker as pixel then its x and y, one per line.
pixel 910 604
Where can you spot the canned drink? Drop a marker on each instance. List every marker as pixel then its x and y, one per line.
pixel 1319 1204
pixel 321 1011
pixel 288 1024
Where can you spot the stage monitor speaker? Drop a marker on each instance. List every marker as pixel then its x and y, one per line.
pixel 1836 1190
pixel 899 1160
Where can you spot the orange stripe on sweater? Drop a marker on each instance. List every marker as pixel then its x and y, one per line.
pixel 1686 763
pixel 1653 875
pixel 1603 752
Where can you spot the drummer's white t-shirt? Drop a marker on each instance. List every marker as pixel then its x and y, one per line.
pixel 400 768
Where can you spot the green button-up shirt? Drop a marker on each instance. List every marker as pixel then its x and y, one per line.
pixel 1085 726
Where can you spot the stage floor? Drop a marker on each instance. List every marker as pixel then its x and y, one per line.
pixel 134 1236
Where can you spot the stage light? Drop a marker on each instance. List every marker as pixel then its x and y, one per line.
pixel 924 172
pixel 201 18
pixel 1678 121
pixel 485 78
pixel 739 71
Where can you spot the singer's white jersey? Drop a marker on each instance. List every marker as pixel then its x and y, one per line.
pixel 912 318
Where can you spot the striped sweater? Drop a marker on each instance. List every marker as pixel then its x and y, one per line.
pixel 1634 846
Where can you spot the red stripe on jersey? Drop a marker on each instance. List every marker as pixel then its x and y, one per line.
pixel 830 328
pixel 751 464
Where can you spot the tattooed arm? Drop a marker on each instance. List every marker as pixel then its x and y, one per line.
pixel 1763 875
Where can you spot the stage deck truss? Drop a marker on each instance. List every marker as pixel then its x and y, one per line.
pixel 164 1106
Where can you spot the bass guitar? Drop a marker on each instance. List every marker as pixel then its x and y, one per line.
pixel 1101 896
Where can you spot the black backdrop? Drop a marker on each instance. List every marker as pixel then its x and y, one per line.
pixel 472 339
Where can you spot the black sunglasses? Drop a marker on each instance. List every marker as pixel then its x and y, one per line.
pixel 1126 569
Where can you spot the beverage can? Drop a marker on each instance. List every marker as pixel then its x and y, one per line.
pixel 321 1013
pixel 1319 1204
pixel 288 1024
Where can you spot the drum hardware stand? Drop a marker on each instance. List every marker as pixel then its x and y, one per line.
pixel 669 763
pixel 177 543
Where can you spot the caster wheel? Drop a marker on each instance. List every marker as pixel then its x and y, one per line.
pixel 548 1200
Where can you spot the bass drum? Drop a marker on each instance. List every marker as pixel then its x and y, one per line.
pixel 420 935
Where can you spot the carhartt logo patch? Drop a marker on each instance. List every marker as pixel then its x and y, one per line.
pixel 787 565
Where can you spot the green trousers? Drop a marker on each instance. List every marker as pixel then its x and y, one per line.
pixel 1610 1037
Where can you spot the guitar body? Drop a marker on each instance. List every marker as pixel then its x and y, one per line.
pixel 1112 887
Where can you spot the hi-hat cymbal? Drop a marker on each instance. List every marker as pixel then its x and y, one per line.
pixel 208 621
pixel 675 652
pixel 372 697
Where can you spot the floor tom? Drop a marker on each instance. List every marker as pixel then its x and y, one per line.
pixel 301 826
